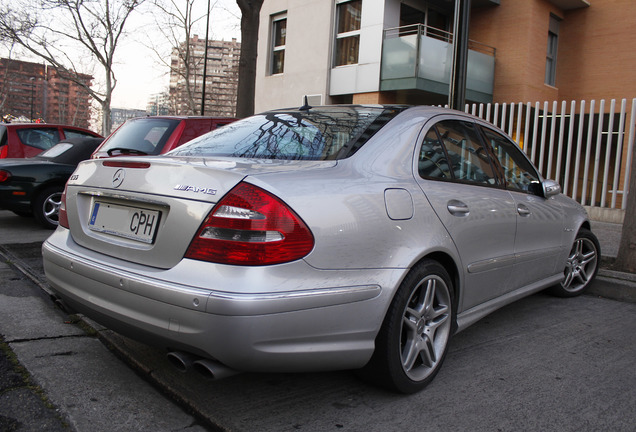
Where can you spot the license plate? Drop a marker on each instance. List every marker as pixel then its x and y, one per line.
pixel 133 223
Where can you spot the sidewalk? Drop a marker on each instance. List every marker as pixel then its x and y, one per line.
pixel 609 283
pixel 55 375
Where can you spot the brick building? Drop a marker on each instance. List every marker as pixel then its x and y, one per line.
pixel 37 91
pixel 221 78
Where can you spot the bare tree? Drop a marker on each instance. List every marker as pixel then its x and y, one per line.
pixel 626 259
pixel 60 31
pixel 250 12
pixel 176 24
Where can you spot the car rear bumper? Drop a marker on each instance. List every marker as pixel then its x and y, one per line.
pixel 261 326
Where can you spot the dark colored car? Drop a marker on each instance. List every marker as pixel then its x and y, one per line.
pixel 21 140
pixel 34 186
pixel 156 135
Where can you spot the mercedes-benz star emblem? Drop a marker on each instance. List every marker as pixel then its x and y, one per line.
pixel 118 178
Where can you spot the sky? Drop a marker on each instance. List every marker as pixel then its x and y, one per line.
pixel 138 71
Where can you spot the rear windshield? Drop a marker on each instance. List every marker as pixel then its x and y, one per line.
pixel 324 133
pixel 42 138
pixel 144 135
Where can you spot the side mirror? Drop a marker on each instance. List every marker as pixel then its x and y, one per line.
pixel 551 188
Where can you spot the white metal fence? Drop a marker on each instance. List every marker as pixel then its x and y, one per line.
pixel 587 149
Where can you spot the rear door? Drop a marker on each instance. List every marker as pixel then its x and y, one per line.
pixel 457 177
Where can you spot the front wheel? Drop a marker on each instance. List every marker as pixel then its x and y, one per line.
pixel 413 340
pixel 581 266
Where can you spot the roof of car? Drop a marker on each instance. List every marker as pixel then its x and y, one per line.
pixel 39 125
pixel 183 117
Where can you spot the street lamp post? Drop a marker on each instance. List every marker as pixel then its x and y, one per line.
pixel 205 60
pixel 32 79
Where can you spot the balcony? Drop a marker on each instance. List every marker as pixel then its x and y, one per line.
pixel 418 57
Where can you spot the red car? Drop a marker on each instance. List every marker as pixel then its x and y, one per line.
pixel 22 140
pixel 155 135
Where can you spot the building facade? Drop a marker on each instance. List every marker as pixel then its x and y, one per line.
pixel 221 77
pixel 557 75
pixel 118 116
pixel 35 91
pixel 399 51
pixel 159 104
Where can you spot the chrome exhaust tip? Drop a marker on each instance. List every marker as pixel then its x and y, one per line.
pixel 213 369
pixel 180 360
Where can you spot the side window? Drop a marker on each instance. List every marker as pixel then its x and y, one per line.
pixel 432 162
pixel 43 138
pixel 518 171
pixel 467 158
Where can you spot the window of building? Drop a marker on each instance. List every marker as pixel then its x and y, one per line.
pixel 279 36
pixel 551 56
pixel 348 32
pixel 436 22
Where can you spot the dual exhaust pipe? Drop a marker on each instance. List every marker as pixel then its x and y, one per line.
pixel 181 360
pixel 209 368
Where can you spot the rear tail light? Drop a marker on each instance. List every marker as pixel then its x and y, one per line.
pixel 4 176
pixel 250 226
pixel 62 215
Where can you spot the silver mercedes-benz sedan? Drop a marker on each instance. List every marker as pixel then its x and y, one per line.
pixel 318 238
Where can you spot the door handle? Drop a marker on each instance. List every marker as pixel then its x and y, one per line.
pixel 457 208
pixel 523 210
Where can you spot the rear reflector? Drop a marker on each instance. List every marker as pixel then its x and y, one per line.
pixel 250 226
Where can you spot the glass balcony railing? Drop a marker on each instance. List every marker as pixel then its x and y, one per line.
pixel 420 57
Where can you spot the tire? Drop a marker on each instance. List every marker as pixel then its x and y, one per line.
pixel 581 267
pixel 412 343
pixel 46 206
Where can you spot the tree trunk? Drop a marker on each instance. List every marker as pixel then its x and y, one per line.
pixel 250 11
pixel 626 259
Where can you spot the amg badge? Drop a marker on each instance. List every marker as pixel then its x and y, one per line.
pixel 197 189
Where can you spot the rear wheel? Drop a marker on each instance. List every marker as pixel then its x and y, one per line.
pixel 413 340
pixel 581 266
pixel 46 206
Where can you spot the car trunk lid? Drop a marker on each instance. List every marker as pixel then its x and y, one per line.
pixel 147 210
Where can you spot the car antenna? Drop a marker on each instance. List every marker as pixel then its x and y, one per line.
pixel 305 107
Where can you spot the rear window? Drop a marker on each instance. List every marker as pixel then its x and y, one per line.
pixel 324 133
pixel 41 138
pixel 146 135
pixel 72 133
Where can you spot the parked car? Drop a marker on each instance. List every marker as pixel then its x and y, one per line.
pixel 155 135
pixel 34 186
pixel 20 140
pixel 336 237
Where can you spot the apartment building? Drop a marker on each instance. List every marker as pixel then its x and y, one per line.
pixel 399 51
pixel 221 77
pixel 38 91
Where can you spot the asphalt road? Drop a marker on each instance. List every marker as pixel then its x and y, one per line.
pixel 541 364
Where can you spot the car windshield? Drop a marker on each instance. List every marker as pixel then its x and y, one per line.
pixel 324 133
pixel 141 135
